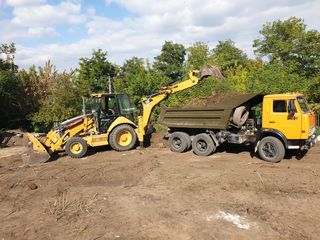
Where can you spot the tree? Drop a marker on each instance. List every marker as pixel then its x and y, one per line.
pixel 138 81
pixel 226 55
pixel 94 73
pixel 9 51
pixel 198 55
pixel 62 102
pixel 289 43
pixel 171 60
pixel 274 78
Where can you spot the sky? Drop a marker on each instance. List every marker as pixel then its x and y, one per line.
pixel 65 30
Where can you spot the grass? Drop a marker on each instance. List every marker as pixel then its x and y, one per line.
pixel 64 205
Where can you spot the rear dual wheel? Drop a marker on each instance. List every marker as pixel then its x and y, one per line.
pixel 179 142
pixel 203 145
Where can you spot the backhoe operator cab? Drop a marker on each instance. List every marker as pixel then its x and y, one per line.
pixel 108 107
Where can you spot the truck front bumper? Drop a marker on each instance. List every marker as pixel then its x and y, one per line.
pixel 312 140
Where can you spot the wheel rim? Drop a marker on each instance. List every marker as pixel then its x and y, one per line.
pixel 124 138
pixel 269 150
pixel 202 146
pixel 176 142
pixel 76 148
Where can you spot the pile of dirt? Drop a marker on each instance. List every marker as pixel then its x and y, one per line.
pixel 210 101
pixel 13 138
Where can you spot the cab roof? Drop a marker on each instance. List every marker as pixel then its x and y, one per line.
pixel 283 95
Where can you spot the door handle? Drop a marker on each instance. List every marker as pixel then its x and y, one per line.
pixel 272 122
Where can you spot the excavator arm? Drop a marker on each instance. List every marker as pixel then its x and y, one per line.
pixel 149 102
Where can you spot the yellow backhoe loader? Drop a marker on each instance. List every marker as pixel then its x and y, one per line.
pixel 108 119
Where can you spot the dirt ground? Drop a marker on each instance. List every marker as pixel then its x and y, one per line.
pixel 156 194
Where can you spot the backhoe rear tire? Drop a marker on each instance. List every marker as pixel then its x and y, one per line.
pixel 123 137
pixel 203 145
pixel 76 147
pixel 179 142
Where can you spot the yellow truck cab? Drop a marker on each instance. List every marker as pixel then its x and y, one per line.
pixel 287 122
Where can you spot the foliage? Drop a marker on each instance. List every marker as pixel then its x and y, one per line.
pixel 274 78
pixel 226 55
pixel 197 55
pixel 171 60
pixel 137 80
pixel 94 73
pixel 288 42
pixel 62 101
pixel 10 104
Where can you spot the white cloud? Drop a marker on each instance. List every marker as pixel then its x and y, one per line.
pixel 153 22
pixel 16 3
pixel 44 15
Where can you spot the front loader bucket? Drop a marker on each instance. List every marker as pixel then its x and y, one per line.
pixel 211 70
pixel 38 153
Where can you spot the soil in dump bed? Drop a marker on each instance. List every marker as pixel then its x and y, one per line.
pixel 210 101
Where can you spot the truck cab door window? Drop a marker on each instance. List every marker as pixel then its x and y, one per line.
pixel 280 106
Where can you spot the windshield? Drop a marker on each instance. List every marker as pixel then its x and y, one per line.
pixel 126 106
pixel 90 105
pixel 303 104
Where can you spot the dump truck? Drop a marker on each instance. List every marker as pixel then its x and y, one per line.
pixel 107 119
pixel 285 123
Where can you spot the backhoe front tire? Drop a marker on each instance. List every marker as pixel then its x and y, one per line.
pixel 271 149
pixel 203 145
pixel 123 138
pixel 76 147
pixel 179 142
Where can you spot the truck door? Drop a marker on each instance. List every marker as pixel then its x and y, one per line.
pixel 283 120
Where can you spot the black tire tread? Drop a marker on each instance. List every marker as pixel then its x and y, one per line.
pixel 113 138
pixel 279 146
pixel 80 140
pixel 211 146
pixel 186 141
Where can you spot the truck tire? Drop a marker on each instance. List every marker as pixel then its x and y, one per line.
pixel 123 138
pixel 179 142
pixel 240 116
pixel 203 145
pixel 271 149
pixel 76 147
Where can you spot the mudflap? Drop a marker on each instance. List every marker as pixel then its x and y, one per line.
pixel 37 152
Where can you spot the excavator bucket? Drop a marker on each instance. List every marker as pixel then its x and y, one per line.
pixel 211 70
pixel 38 153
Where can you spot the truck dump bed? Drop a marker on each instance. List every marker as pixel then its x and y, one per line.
pixel 215 117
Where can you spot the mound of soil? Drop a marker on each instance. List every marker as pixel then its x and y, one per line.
pixel 13 138
pixel 210 101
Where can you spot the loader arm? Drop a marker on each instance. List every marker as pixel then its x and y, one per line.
pixel 149 102
pixel 56 139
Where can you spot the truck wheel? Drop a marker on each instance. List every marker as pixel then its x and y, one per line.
pixel 240 116
pixel 76 147
pixel 271 149
pixel 203 145
pixel 123 138
pixel 179 142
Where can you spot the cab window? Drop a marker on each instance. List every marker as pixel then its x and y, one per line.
pixel 279 106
